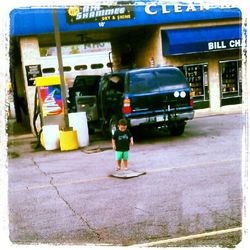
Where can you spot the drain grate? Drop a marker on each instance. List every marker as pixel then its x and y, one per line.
pixel 126 174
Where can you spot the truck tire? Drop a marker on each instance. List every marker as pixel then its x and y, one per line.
pixel 105 130
pixel 176 128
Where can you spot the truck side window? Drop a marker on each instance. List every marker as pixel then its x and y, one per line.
pixel 116 84
pixel 113 93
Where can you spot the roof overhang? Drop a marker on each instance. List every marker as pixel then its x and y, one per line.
pixel 206 39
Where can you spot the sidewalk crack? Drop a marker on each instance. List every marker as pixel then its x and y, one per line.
pixel 82 219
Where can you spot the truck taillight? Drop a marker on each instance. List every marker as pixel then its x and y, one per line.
pixel 126 106
pixel 190 100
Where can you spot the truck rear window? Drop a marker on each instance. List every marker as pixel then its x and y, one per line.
pixel 170 79
pixel 156 80
pixel 143 82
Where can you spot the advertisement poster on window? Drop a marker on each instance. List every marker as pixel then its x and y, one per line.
pixel 51 100
pixel 33 71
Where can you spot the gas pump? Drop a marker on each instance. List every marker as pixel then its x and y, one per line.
pixel 49 97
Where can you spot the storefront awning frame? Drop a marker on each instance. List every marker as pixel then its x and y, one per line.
pixel 197 40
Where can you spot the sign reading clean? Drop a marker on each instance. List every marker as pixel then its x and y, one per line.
pixel 154 8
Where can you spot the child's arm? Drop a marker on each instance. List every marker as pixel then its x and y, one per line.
pixel 131 141
pixel 113 144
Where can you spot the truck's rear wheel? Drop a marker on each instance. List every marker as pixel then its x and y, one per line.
pixel 176 128
pixel 109 128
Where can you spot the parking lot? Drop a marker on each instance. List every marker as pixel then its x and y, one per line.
pixel 192 185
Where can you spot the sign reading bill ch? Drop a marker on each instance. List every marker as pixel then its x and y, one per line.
pixel 227 44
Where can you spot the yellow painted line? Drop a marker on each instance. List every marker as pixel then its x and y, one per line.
pixel 190 237
pixel 155 170
pixel 200 164
pixel 59 184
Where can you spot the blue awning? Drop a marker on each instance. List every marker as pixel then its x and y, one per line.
pixel 196 40
pixel 34 21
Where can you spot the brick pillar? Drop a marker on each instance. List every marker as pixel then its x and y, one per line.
pixel 214 86
pixel 30 55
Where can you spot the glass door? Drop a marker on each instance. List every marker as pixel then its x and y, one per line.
pixel 197 76
pixel 231 82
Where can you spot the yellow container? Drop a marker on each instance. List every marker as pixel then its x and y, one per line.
pixel 47 80
pixel 68 140
pixel 42 140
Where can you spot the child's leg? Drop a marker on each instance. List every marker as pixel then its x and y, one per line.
pixel 125 163
pixel 119 164
pixel 125 160
pixel 118 157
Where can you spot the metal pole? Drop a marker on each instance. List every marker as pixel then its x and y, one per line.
pixel 60 64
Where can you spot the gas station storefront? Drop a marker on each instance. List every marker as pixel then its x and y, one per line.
pixel 205 42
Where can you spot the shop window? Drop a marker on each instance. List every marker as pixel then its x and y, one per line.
pixel 97 66
pixel 80 67
pixel 48 70
pixel 231 82
pixel 66 68
pixel 197 76
pixel 109 65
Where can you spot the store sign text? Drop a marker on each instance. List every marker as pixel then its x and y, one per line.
pixel 100 13
pixel 218 45
pixel 153 8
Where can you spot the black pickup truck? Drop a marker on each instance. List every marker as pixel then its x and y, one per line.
pixel 156 97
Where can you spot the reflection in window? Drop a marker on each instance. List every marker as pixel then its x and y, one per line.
pixel 67 68
pixel 48 70
pixel 170 79
pixel 80 67
pixel 97 66
pixel 197 77
pixel 231 82
pixel 109 65
pixel 229 72
pixel 143 82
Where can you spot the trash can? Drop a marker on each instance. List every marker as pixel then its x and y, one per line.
pixel 78 121
pixel 50 137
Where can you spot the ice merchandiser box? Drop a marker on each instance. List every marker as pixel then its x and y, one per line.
pixel 50 97
pixel 52 109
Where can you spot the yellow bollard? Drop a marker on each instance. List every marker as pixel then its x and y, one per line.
pixel 68 140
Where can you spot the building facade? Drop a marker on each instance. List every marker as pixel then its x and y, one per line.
pixel 204 41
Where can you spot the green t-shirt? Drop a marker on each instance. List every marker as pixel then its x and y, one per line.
pixel 122 140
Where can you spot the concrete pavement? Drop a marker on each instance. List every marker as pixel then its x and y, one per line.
pixel 191 187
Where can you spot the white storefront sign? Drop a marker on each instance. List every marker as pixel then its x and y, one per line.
pixel 218 45
pixel 152 7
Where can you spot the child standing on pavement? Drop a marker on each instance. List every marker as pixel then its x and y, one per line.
pixel 121 141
